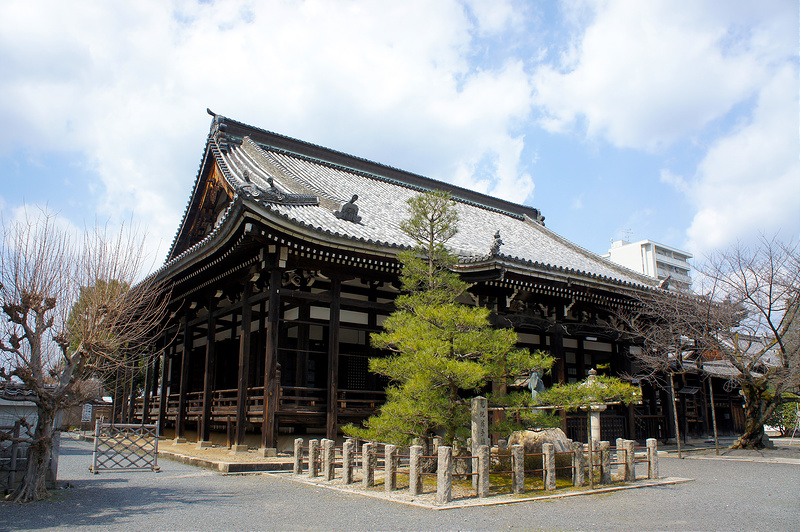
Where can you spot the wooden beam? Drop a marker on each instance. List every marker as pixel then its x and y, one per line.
pixel 271 386
pixel 180 419
pixel 162 398
pixel 244 365
pixel 208 373
pixel 333 360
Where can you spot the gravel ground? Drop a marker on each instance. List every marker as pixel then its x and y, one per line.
pixel 726 495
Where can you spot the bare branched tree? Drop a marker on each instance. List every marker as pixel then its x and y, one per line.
pixel 746 316
pixel 75 311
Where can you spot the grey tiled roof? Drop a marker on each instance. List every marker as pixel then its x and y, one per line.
pixel 527 244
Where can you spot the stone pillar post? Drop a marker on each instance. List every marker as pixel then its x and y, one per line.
pixel 390 467
pixel 652 458
pixel 313 458
pixel 605 462
pixel 437 441
pixel 549 466
pixel 444 475
pixel 347 462
pixel 328 461
pixel 368 459
pixel 518 466
pixel 630 461
pixel 483 471
pixel 414 470
pixel 480 431
pixel 619 457
pixel 578 463
pixel 298 456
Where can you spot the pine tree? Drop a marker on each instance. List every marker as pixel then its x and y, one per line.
pixel 441 350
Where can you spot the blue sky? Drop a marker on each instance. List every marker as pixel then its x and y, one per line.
pixel 673 120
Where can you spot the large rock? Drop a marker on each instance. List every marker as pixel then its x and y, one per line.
pixel 532 440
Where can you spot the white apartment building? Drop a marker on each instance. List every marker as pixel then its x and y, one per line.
pixel 653 259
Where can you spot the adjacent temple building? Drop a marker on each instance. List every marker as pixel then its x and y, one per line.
pixel 285 262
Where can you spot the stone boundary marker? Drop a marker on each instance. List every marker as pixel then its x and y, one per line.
pixel 320 461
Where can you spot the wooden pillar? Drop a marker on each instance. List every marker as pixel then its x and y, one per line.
pixel 271 386
pixel 557 352
pixel 148 388
pixel 303 345
pixel 151 387
pixel 208 373
pixel 333 359
pixel 180 419
pixel 119 396
pixel 132 396
pixel 162 398
pixel 244 365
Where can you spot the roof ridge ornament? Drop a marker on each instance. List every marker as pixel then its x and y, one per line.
pixel 349 211
pixel 495 249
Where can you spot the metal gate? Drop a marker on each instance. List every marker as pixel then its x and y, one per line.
pixel 130 447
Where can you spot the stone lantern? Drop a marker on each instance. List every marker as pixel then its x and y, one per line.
pixel 594 409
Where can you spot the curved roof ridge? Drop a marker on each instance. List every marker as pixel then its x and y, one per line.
pixel 314 152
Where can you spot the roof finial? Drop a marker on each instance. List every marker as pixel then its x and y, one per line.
pixel 495 249
pixel 349 211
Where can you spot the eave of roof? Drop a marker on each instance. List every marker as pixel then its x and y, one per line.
pixel 279 143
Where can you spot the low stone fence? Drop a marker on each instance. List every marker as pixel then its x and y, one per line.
pixel 322 459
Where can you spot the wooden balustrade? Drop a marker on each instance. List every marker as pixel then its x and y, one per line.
pixel 292 400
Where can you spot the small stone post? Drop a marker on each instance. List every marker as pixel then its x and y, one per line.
pixel 390 468
pixel 605 462
pixel 328 459
pixel 414 470
pixel 630 461
pixel 652 458
pixel 444 475
pixel 483 471
pixel 298 456
pixel 313 458
pixel 368 459
pixel 518 467
pixel 347 462
pixel 480 431
pixel 549 466
pixel 619 457
pixel 578 463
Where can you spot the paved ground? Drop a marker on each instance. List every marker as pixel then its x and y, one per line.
pixel 726 495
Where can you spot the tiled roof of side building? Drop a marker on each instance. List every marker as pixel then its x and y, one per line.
pixel 248 164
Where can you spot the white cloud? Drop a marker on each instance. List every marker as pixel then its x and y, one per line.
pixel 644 74
pixel 749 181
pixel 127 84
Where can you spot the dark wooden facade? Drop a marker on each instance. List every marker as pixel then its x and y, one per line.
pixel 276 291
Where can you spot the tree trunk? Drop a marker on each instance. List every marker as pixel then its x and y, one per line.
pixel 33 486
pixel 757 408
pixel 675 414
